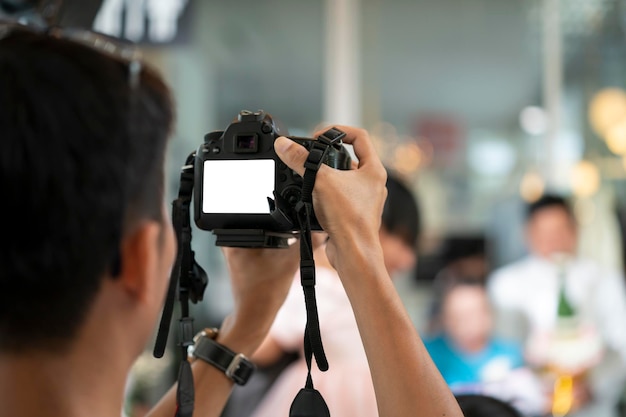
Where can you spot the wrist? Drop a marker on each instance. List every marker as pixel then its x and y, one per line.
pixel 245 329
pixel 236 366
pixel 355 250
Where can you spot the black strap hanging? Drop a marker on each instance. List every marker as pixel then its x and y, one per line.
pixel 189 280
pixel 313 338
pixel 309 402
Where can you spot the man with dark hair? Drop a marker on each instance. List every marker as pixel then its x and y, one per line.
pixel 401 226
pixel 76 179
pixel 553 289
pixel 88 247
pixel 549 201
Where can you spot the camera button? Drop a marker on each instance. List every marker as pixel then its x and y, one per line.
pixel 215 150
pixel 266 128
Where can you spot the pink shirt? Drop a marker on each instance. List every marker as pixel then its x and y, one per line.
pixel 347 386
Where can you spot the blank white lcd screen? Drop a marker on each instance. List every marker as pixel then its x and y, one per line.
pixel 238 186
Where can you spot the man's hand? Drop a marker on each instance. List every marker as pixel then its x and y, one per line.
pixel 261 273
pixel 348 204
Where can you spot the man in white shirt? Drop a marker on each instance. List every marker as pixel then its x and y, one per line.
pixel 530 289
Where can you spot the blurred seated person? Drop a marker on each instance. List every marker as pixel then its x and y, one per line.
pixel 470 358
pixel 465 256
pixel 347 385
pixel 461 257
pixel 574 310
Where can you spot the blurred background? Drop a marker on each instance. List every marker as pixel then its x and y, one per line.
pixel 480 105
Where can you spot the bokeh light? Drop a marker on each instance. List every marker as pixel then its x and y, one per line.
pixel 533 120
pixel 607 108
pixel 616 138
pixel 532 186
pixel 585 179
pixel 407 158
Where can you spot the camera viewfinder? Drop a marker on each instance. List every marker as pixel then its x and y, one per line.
pixel 246 143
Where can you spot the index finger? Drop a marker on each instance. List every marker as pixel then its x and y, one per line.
pixel 359 139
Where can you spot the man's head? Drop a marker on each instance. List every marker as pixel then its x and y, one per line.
pixel 400 226
pixel 551 227
pixel 81 172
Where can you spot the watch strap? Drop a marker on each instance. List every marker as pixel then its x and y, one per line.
pixel 236 366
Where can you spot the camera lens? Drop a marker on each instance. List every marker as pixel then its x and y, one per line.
pixel 246 143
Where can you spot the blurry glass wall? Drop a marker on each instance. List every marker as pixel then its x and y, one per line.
pixel 452 90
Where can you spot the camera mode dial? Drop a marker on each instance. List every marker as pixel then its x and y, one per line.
pixel 248 116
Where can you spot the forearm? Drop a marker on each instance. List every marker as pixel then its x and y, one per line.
pixel 268 353
pixel 212 389
pixel 243 332
pixel 406 381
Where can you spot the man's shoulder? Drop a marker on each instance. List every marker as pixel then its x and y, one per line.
pixel 506 285
pixel 511 271
pixel 593 274
pixel 590 266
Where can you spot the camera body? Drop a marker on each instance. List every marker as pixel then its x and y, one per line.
pixel 243 192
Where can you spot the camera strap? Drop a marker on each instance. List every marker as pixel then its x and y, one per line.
pixel 189 280
pixel 309 402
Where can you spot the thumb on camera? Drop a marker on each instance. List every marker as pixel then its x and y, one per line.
pixel 292 154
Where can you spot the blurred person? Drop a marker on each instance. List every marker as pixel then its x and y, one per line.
pixel 573 311
pixel 466 257
pixel 83 171
pixel 461 257
pixel 347 385
pixel 468 355
pixel 401 226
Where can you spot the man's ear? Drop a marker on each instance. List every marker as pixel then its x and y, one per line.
pixel 140 251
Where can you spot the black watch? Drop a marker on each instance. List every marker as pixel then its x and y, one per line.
pixel 236 366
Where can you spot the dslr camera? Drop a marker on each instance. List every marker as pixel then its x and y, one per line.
pixel 243 192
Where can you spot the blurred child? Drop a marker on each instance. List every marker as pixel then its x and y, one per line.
pixel 470 358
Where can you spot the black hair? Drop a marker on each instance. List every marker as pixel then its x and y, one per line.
pixel 449 280
pixel 474 405
pixel 461 247
pixel 549 201
pixel 401 214
pixel 78 168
